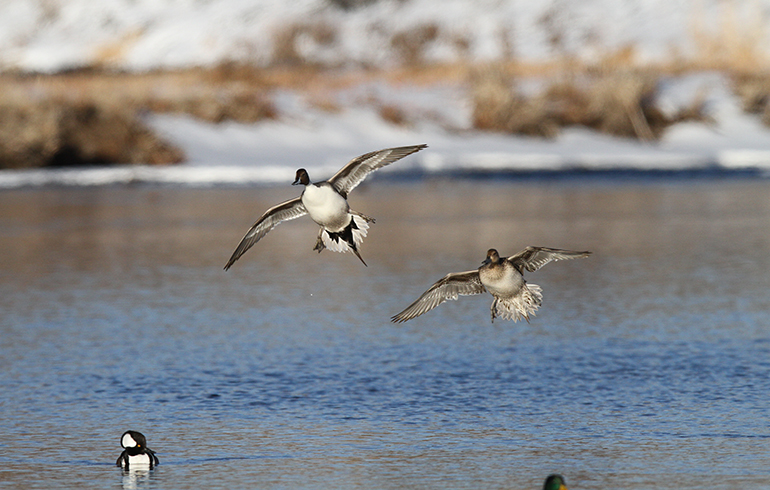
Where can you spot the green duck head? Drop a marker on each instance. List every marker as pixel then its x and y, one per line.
pixel 554 482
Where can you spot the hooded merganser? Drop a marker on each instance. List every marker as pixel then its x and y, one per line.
pixel 136 454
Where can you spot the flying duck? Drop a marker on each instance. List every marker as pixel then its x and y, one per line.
pixel 342 229
pixel 136 454
pixel 502 277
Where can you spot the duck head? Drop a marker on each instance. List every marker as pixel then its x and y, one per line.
pixel 132 438
pixel 554 482
pixel 492 257
pixel 301 178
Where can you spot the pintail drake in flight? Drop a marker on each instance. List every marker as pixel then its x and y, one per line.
pixel 326 202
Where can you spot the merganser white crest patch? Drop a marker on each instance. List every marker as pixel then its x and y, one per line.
pixel 128 441
pixel 523 305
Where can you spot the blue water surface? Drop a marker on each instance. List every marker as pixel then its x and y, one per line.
pixel 648 365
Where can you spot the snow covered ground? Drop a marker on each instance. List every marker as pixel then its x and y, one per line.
pixel 270 152
pixel 141 34
pixel 49 35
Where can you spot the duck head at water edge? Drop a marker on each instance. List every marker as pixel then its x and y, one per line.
pixel 554 482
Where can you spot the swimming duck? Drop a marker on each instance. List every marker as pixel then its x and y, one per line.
pixel 502 277
pixel 136 454
pixel 342 229
pixel 554 482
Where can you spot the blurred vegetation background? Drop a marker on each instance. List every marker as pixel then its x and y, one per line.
pixel 94 112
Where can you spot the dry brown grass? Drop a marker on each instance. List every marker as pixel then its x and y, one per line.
pixel 735 43
pixel 754 92
pixel 498 106
pixel 93 117
pixel 613 95
pixel 410 45
pixel 64 133
pixel 239 106
pixel 286 41
pixel 393 114
pixel 620 104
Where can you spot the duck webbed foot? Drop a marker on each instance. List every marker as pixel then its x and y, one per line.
pixel 493 310
pixel 319 244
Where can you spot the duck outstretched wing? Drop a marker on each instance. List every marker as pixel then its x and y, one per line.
pixel 450 287
pixel 533 258
pixel 273 217
pixel 356 170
